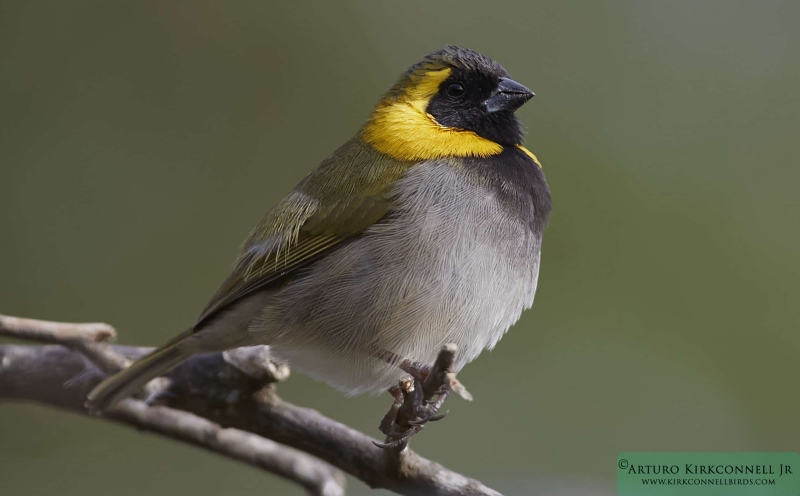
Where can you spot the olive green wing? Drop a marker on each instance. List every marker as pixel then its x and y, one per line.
pixel 278 247
pixel 346 194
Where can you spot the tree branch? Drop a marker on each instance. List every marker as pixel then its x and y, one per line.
pixel 227 403
pixel 59 377
pixel 45 331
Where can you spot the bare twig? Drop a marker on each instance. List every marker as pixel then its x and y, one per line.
pixel 87 338
pixel 222 392
pixel 442 375
pixel 44 331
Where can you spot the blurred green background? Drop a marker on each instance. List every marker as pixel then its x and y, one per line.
pixel 140 142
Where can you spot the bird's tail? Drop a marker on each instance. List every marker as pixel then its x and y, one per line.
pixel 128 381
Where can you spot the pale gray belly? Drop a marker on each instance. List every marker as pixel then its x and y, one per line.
pixel 451 264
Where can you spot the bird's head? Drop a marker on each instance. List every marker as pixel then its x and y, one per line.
pixel 453 103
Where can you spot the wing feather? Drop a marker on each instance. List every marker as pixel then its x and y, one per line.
pixel 347 193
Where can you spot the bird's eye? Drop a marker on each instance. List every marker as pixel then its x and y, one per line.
pixel 455 89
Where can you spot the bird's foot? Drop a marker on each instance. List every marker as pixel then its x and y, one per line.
pixel 387 422
pixel 410 412
pixel 417 401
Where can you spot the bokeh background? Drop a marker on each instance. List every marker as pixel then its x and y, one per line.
pixel 140 142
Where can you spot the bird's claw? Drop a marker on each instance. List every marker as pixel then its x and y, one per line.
pixel 433 418
pixel 410 412
pixel 419 397
pixel 398 441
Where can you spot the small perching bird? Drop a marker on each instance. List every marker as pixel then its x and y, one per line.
pixel 423 229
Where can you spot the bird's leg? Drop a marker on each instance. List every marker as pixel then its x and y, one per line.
pixel 418 399
pixel 419 371
pixel 423 408
pixel 409 413
pixel 395 424
pixel 388 420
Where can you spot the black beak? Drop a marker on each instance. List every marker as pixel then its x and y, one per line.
pixel 509 95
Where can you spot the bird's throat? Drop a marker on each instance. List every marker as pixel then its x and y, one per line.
pixel 402 128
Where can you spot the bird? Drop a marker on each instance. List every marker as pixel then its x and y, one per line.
pixel 425 228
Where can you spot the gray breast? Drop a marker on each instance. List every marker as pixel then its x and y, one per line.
pixel 452 263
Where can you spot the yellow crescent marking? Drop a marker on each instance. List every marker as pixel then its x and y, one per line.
pixel 530 154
